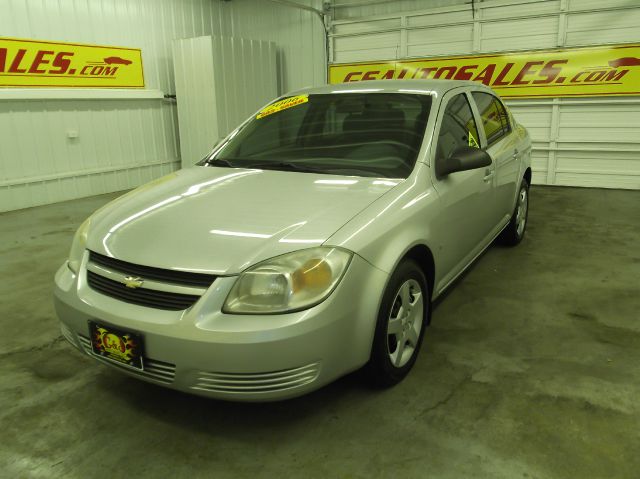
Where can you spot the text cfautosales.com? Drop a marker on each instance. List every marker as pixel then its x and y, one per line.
pixel 534 73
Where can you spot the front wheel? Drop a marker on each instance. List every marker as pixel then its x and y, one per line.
pixel 400 327
pixel 514 232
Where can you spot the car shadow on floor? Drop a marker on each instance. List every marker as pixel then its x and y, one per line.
pixel 452 287
pixel 204 414
pixel 207 415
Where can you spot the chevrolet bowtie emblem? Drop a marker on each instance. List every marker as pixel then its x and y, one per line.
pixel 133 281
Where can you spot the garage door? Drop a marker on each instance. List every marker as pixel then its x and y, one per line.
pixel 591 142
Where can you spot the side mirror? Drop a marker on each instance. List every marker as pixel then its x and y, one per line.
pixel 463 159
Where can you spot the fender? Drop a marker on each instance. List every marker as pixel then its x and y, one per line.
pixel 384 232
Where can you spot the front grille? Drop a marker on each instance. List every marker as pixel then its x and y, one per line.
pixel 153 369
pixel 256 382
pixel 150 298
pixel 184 278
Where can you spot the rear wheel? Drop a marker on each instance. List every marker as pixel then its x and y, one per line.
pixel 514 232
pixel 401 323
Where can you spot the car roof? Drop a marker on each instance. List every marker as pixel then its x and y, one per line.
pixel 425 87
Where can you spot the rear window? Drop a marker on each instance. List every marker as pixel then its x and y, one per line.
pixel 494 116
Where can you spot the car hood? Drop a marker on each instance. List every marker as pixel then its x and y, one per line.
pixel 222 220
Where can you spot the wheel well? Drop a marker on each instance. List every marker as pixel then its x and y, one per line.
pixel 527 176
pixel 422 255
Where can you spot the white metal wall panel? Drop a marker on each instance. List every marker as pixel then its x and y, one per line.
pixel 245 76
pixel 587 168
pixel 537 119
pixel 434 41
pixel 123 143
pixel 616 124
pixel 513 9
pixel 219 82
pixel 590 22
pixel 439 33
pixel 519 34
pixel 196 92
pixel 383 45
pixel 355 9
pixel 585 142
pixel 441 18
pixel 367 27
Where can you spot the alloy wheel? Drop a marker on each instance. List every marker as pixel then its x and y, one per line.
pixel 405 322
pixel 521 213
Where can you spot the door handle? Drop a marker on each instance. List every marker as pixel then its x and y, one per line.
pixel 515 154
pixel 488 173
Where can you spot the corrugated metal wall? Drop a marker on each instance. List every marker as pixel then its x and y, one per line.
pixel 589 142
pixel 218 91
pixel 128 141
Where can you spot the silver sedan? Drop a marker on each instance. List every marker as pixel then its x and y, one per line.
pixel 309 243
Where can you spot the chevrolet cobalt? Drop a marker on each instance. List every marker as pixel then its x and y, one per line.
pixel 309 243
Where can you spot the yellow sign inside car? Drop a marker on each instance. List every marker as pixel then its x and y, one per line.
pixel 472 141
pixel 573 72
pixel 283 105
pixel 44 64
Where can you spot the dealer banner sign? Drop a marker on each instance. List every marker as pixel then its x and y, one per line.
pixel 32 63
pixel 574 72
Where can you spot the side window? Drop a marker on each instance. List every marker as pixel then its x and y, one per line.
pixel 458 128
pixel 495 119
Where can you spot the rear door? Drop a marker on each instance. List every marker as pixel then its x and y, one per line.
pixel 500 141
pixel 467 197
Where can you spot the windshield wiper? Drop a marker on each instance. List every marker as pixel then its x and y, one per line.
pixel 267 165
pixel 220 162
pixel 284 166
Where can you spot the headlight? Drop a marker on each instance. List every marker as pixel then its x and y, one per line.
pixel 78 245
pixel 287 283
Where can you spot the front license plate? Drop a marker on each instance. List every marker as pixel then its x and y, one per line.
pixel 117 345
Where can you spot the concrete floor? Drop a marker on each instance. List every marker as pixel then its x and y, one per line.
pixel 531 369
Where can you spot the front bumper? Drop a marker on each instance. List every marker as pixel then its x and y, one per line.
pixel 238 357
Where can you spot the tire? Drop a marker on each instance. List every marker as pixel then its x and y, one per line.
pixel 514 232
pixel 399 334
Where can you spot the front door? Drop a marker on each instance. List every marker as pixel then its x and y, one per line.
pixel 467 197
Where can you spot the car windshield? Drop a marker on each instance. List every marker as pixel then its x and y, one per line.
pixel 358 134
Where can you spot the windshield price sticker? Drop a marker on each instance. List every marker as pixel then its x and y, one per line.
pixel 283 105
